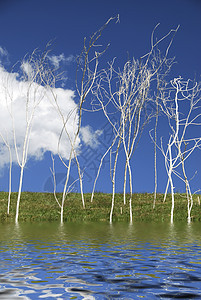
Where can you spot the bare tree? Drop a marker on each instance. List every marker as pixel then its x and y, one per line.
pixel 86 75
pixel 163 65
pixel 180 145
pixel 33 77
pixel 127 94
pixel 128 99
pixel 67 161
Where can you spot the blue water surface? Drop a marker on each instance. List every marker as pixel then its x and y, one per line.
pixel 100 261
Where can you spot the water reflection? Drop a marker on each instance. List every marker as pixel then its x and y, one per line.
pixel 100 261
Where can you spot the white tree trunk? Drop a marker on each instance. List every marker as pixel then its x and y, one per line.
pixel 19 194
pixel 62 214
pixel 125 177
pixel 172 207
pixel 166 190
pixel 10 186
pixel 112 206
pixel 131 193
pixel 113 180
pixel 10 181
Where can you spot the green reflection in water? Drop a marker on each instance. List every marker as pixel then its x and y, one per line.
pixel 101 233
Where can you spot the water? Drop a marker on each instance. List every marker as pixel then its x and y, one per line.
pixel 99 261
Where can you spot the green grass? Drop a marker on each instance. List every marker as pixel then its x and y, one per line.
pixel 43 207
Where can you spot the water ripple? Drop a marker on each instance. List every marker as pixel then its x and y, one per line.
pixel 106 263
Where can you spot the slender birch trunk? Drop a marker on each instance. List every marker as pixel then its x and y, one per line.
pixel 10 182
pixel 166 190
pixel 188 193
pixel 65 187
pixel 155 154
pixel 172 207
pixel 114 179
pixel 19 195
pixel 125 179
pixel 171 182
pixel 131 194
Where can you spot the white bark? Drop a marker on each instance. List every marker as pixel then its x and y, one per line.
pixel 114 178
pixel 126 93
pixel 34 83
pixel 19 195
pixel 125 177
pixel 178 94
pixel 88 66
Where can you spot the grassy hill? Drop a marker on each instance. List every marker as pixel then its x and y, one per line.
pixel 43 207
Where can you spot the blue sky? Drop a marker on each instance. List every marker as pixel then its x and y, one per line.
pixel 26 25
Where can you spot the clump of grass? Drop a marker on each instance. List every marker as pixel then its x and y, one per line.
pixel 43 207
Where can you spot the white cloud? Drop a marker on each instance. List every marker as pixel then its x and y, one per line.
pixel 4 56
pixel 27 68
pixel 56 60
pixel 47 123
pixel 89 136
pixel 3 52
